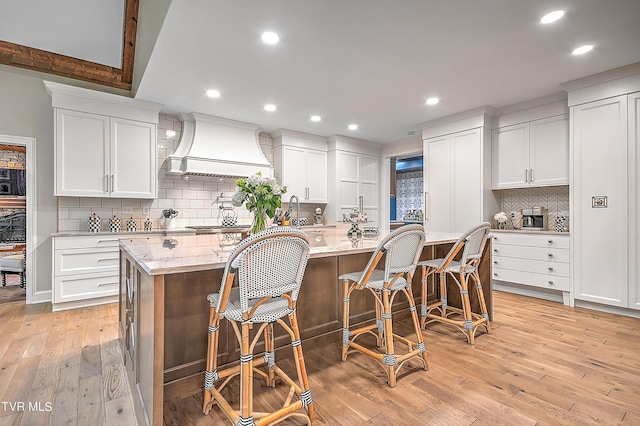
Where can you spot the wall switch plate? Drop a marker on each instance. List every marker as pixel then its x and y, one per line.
pixel 145 210
pixel 127 210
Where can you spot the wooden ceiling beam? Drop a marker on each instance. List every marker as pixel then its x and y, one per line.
pixel 52 63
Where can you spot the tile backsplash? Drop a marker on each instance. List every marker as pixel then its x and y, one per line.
pixel 554 198
pixel 194 197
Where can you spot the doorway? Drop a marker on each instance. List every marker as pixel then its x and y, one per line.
pixel 408 190
pixel 17 187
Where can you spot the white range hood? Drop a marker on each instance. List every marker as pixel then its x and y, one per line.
pixel 214 146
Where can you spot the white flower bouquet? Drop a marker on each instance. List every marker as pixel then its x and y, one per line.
pixel 501 218
pixel 261 196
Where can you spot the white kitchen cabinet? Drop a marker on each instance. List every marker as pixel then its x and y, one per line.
pixel 454 181
pixel 531 154
pixel 100 156
pixel 354 168
pixel 85 270
pixel 304 172
pixel 105 145
pixel 300 164
pixel 358 184
pixel 633 135
pixel 535 260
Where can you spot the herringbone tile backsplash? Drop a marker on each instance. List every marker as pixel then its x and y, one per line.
pixel 554 198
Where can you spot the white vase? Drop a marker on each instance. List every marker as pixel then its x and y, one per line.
pixel 169 223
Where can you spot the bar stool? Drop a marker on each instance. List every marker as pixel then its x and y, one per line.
pixel 402 247
pixel 471 244
pixel 270 266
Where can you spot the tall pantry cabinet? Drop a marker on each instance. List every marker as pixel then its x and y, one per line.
pixel 457 176
pixel 605 189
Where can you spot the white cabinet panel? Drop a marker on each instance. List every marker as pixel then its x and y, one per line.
pixel 82 160
pixel 454 181
pixel 633 105
pixel 600 234
pixel 533 260
pixel 85 268
pixel 133 159
pixel 100 156
pixel 549 151
pixel 510 156
pixel 357 184
pixel 531 154
pixel 303 171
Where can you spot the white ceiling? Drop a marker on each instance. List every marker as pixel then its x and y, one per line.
pixel 87 29
pixel 370 62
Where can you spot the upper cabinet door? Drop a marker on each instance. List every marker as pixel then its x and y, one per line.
pixel 549 151
pixel 510 156
pixel 437 184
pixel 316 176
pixel 133 159
pixel 294 171
pixel 82 154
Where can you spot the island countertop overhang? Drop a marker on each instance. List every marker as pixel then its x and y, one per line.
pixel 159 255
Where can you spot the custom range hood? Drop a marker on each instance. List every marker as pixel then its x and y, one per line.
pixel 214 146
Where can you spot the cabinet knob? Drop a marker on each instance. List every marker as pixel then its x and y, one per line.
pixel 495 274
pixel 551 268
pixel 550 241
pixel 550 254
pixel 550 282
pixel 495 262
pixel 495 249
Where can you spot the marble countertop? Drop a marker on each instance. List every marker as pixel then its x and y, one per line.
pixel 159 255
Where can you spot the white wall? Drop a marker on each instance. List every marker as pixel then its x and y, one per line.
pixel 25 110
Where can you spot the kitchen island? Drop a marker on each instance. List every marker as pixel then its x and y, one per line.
pixel 164 313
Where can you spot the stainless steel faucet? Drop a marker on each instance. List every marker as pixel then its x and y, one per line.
pixel 297 209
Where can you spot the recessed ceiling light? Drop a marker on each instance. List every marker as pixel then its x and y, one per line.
pixel 582 49
pixel 212 93
pixel 552 16
pixel 432 101
pixel 270 107
pixel 270 37
pixel 170 133
pixel 353 127
pixel 315 118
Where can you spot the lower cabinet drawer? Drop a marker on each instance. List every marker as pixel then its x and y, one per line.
pixel 530 278
pixel 88 260
pixel 69 288
pixel 535 253
pixel 536 266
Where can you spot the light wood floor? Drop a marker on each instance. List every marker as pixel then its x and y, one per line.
pixel 544 364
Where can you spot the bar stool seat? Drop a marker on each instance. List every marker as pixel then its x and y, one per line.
pixel 269 267
pixel 470 247
pixel 402 249
pixel 13 264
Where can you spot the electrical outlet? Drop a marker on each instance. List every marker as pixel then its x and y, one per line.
pixel 127 210
pixel 145 210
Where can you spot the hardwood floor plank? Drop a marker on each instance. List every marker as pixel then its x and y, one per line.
pixel 46 375
pixel 91 409
pixel 42 397
pixel 120 412
pixel 65 400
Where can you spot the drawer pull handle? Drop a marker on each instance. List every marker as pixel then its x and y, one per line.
pixel 551 268
pixel 550 241
pixel 550 254
pixel 495 249
pixel 495 274
pixel 104 259
pixel 106 284
pixel 495 262
pixel 550 282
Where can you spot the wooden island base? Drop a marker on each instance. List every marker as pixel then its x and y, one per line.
pixel 163 320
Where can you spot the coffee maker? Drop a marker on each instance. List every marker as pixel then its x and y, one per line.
pixel 534 219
